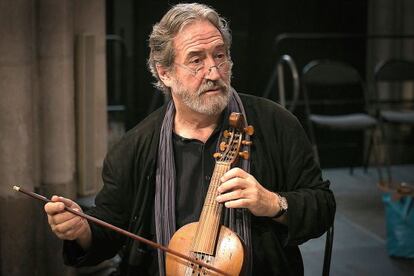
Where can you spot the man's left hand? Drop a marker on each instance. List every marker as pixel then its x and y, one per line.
pixel 240 189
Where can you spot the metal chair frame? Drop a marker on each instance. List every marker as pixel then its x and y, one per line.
pixel 393 71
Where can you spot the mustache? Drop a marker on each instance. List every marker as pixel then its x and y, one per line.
pixel 212 85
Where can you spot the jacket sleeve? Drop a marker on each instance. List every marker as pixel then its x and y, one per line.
pixel 110 207
pixel 125 199
pixel 311 203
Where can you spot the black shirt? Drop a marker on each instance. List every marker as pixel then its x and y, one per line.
pixel 194 164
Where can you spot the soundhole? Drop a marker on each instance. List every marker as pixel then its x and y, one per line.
pixel 196 269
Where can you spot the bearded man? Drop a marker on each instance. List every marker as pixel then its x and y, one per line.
pixel 156 178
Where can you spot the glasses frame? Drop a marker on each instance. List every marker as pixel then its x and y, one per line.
pixel 194 72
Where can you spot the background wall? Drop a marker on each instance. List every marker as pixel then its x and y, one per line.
pixel 38 123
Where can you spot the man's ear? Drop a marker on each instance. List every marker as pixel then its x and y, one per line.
pixel 164 74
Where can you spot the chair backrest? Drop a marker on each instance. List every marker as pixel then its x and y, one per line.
pixel 396 73
pixel 394 70
pixel 327 72
pixel 332 88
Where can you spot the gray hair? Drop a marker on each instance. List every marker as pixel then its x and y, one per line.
pixel 161 39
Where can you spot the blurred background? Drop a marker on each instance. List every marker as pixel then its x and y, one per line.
pixel 73 80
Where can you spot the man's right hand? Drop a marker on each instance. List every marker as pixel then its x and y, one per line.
pixel 66 225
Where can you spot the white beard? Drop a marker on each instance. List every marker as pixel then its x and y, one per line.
pixel 202 103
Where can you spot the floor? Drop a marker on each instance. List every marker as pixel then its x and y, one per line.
pixel 360 231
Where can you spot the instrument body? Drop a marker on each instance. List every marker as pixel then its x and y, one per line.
pixel 206 240
pixel 229 256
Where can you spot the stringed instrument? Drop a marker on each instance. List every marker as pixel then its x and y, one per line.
pixel 207 240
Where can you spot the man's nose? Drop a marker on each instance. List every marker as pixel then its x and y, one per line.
pixel 212 73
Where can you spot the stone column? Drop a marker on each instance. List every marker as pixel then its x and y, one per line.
pixel 84 11
pixel 55 42
pixel 56 96
pixel 19 215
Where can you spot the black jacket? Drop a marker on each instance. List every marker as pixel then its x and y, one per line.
pixel 282 160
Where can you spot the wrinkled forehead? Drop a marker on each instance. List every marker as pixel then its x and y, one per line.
pixel 197 35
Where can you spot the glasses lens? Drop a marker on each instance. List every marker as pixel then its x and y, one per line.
pixel 223 67
pixel 201 70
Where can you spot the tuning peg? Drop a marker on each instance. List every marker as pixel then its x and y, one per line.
pixel 217 155
pixel 249 130
pixel 247 143
pixel 226 134
pixel 223 146
pixel 244 154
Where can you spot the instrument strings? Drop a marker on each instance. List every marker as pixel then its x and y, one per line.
pixel 206 234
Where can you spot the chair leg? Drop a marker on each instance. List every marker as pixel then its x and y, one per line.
pixel 312 139
pixel 328 251
pixel 368 151
pixel 351 169
pixel 376 145
pixel 356 157
pixel 384 140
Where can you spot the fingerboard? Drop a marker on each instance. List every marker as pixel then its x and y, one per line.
pixel 208 226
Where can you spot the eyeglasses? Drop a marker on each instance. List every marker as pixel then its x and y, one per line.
pixel 199 70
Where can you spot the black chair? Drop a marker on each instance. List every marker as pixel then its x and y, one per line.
pixel 394 109
pixel 335 100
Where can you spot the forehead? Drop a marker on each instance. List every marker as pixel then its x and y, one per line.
pixel 197 36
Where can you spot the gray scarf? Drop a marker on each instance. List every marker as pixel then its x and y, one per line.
pixel 237 220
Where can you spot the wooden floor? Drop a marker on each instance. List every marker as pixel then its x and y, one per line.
pixel 360 231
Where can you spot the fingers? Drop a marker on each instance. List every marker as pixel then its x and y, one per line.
pixel 59 218
pixel 239 203
pixel 63 223
pixel 69 203
pixel 235 199
pixel 239 198
pixel 230 196
pixel 235 178
pixel 237 189
pixel 232 184
pixel 69 229
pixel 240 189
pixel 235 172
pixel 58 205
pixel 54 207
